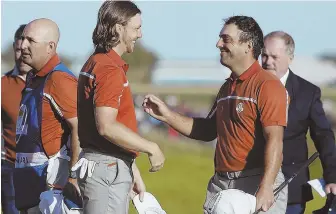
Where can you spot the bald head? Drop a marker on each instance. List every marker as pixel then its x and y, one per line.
pixel 40 39
pixel 45 30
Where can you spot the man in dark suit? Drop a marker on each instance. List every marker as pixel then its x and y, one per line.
pixel 305 113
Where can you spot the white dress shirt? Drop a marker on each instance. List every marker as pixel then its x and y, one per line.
pixel 284 78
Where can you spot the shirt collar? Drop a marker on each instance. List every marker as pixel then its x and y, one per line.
pixel 16 73
pixel 55 60
pixel 254 68
pixel 284 78
pixel 118 60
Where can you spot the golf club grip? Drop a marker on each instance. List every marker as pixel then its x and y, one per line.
pixel 287 181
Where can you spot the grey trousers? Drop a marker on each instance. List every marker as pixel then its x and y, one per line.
pixel 249 185
pixel 107 191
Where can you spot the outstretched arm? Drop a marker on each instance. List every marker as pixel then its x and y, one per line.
pixel 196 128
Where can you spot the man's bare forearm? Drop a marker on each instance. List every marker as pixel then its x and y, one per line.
pixel 135 169
pixel 122 136
pixel 180 123
pixel 273 159
pixel 75 147
pixel 74 140
pixel 196 128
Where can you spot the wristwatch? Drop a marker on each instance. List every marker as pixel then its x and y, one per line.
pixel 72 174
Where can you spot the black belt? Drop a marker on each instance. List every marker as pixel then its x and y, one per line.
pixel 241 174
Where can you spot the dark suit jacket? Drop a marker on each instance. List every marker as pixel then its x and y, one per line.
pixel 306 113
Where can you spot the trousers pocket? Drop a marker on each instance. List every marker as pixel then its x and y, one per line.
pixel 112 171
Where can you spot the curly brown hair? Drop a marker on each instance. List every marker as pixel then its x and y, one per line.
pixel 251 32
pixel 111 13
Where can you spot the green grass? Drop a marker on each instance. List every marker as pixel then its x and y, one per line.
pixel 181 185
pixel 329 93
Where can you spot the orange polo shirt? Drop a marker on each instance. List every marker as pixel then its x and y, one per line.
pixel 245 105
pixel 11 88
pixel 62 88
pixel 103 82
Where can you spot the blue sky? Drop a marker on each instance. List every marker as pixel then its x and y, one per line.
pixel 180 30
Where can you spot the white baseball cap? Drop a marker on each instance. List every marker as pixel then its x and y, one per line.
pixel 149 205
pixel 233 201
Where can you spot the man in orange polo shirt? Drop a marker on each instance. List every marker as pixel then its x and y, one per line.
pixel 248 119
pixel 106 114
pixel 47 119
pixel 12 84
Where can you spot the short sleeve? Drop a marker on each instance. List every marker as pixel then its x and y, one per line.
pixel 63 90
pixel 109 86
pixel 273 103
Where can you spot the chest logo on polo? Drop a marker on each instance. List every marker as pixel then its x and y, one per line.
pixel 240 107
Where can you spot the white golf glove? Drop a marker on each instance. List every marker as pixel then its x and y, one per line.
pixel 85 166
